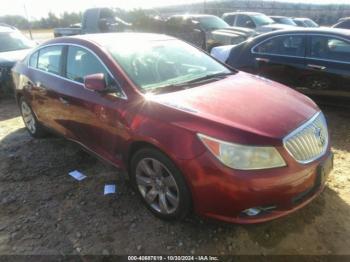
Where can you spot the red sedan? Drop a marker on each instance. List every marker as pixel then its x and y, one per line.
pixel 192 133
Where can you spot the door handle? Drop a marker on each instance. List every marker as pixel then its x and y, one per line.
pixel 64 101
pixel 261 59
pixel 318 67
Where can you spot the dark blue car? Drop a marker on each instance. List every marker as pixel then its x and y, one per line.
pixel 314 61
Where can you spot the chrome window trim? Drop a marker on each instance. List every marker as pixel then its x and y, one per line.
pixel 304 57
pixel 123 94
pixel 297 130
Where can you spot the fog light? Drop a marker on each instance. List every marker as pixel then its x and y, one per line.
pixel 252 211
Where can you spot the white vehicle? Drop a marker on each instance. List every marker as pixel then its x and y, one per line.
pixel 257 21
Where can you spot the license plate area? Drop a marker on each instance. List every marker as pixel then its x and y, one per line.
pixel 323 171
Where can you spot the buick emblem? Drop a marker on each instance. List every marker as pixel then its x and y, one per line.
pixel 319 136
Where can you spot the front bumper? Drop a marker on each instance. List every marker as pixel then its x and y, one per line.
pixel 222 193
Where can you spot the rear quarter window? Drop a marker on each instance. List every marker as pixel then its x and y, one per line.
pixel 49 59
pixel 33 60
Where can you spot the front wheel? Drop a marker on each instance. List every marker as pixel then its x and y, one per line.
pixel 160 184
pixel 30 121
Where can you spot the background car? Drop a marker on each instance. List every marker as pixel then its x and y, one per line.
pixel 95 20
pixel 343 23
pixel 305 22
pixel 283 20
pixel 13 47
pixel 316 61
pixel 205 31
pixel 257 21
pixel 191 132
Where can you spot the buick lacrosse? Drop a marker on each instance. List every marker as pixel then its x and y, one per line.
pixel 192 134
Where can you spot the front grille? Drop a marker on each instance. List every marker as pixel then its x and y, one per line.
pixel 308 142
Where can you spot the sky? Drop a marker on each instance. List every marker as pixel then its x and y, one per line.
pixel 40 8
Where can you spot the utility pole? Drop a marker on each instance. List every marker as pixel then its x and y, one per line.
pixel 29 25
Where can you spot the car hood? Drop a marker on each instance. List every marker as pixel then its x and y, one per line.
pixel 12 57
pixel 272 27
pixel 243 102
pixel 234 31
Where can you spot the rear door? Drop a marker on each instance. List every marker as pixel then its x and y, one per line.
pixel 45 70
pixel 281 58
pixel 328 63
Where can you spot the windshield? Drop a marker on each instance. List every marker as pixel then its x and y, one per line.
pixel 310 23
pixel 261 20
pixel 285 20
pixel 12 41
pixel 211 22
pixel 159 65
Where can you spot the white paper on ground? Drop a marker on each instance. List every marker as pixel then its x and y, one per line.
pixel 109 189
pixel 77 175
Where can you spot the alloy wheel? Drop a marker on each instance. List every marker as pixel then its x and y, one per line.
pixel 28 117
pixel 157 186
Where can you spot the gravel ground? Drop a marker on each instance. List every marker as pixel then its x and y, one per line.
pixel 45 211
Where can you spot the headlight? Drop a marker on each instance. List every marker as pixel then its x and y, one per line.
pixel 243 157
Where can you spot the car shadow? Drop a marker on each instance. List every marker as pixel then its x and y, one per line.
pixel 9 109
pixel 65 212
pixel 339 126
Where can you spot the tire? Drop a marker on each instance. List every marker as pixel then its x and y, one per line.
pixel 30 121
pixel 160 184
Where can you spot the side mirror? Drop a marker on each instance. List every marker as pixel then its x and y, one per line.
pixel 95 82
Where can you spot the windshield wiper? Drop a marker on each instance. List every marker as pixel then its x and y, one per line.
pixel 209 76
pixel 188 84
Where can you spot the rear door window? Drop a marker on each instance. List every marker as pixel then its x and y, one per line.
pixel 33 60
pixel 49 59
pixel 287 45
pixel 330 48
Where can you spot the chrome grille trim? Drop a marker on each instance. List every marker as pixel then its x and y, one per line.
pixel 308 142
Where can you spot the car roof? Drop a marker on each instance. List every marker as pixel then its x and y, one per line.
pixel 279 16
pixel 193 15
pixel 301 18
pixel 343 19
pixel 320 30
pixel 6 28
pixel 243 13
pixel 105 39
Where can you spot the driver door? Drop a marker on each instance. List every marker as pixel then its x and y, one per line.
pixel 93 119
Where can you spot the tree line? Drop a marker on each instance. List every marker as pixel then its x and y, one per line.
pixel 323 14
pixel 50 21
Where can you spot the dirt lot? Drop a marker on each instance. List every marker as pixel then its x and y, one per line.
pixel 44 211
